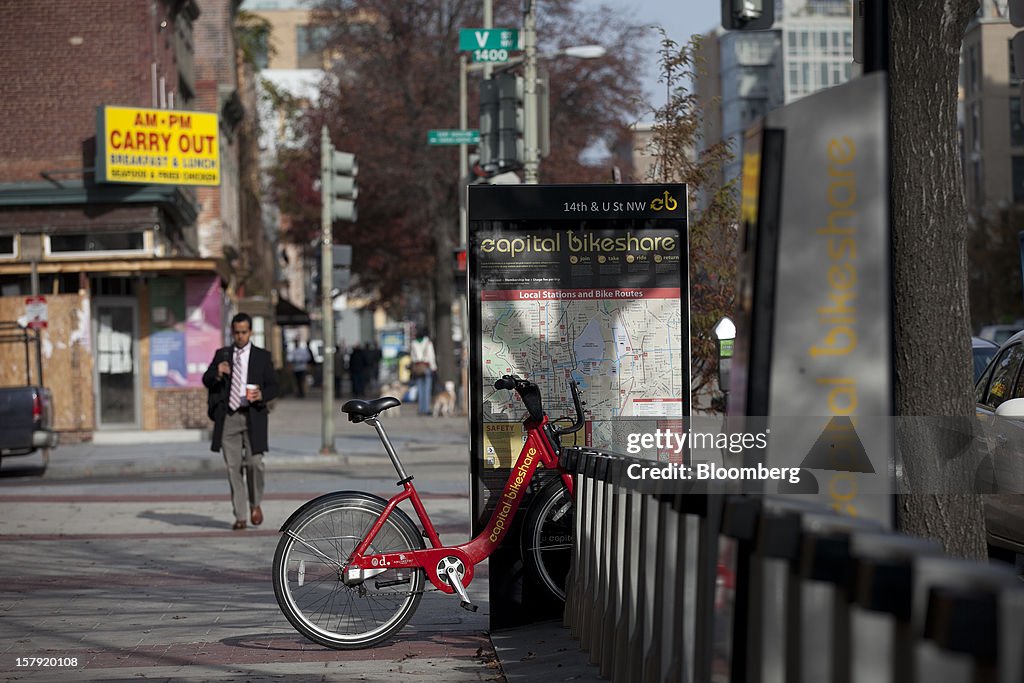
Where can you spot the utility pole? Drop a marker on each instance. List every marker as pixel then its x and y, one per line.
pixel 326 300
pixel 531 147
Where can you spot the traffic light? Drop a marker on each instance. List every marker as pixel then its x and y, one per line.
pixel 342 171
pixel 501 123
pixel 748 15
pixel 489 131
pixel 341 265
pixel 511 121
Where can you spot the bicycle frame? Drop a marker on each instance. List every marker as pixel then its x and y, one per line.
pixel 538 449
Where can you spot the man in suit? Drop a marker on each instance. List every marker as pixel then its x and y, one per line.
pixel 240 415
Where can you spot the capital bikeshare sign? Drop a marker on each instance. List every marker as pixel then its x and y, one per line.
pixel 157 146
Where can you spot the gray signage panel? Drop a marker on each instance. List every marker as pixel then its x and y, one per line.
pixel 831 359
pixel 813 346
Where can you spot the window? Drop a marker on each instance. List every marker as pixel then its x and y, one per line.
pixel 311 40
pixel 7 247
pixel 1016 125
pixel 979 187
pixel 1014 76
pixel 100 242
pixel 1004 377
pixel 1018 180
pixel 972 68
pixel 976 127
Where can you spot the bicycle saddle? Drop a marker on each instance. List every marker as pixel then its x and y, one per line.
pixel 359 410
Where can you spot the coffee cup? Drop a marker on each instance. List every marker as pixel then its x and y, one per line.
pixel 250 391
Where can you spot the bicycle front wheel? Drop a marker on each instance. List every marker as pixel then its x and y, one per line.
pixel 309 564
pixel 547 536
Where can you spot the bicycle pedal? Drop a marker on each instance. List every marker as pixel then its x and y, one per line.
pixel 468 606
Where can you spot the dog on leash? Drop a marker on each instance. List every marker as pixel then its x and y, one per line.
pixel 444 403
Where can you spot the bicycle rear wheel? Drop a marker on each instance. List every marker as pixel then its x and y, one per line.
pixel 547 536
pixel 309 564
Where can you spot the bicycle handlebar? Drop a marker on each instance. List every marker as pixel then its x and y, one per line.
pixel 530 393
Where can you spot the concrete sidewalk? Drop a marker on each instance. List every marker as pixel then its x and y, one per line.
pixel 124 595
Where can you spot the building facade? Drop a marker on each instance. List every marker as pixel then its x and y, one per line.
pixel 137 277
pixel 749 73
pixel 992 128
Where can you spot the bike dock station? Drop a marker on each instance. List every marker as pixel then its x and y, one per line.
pixel 707 585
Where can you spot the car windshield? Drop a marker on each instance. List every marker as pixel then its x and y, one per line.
pixel 982 355
pixel 1003 334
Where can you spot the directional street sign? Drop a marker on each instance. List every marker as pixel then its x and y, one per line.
pixel 453 137
pixel 489 44
pixel 489 39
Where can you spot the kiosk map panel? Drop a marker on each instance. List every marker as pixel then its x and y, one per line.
pixel 602 307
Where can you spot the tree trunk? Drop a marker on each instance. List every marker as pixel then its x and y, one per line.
pixel 931 317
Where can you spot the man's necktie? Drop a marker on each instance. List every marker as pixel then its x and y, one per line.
pixel 235 401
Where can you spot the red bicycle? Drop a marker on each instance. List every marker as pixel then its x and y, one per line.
pixel 350 568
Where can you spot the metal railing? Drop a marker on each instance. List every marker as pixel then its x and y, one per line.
pixel 713 586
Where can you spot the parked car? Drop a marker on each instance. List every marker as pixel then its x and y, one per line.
pixel 999 401
pixel 999 333
pixel 982 350
pixel 25 411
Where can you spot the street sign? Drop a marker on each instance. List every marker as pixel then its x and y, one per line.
pixel 35 311
pixel 489 44
pixel 489 39
pixel 453 137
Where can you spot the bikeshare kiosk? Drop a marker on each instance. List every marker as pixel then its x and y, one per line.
pixel 571 282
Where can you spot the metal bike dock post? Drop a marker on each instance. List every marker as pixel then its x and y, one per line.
pixel 654 605
pixel 569 460
pixel 703 509
pixel 740 516
pixel 678 663
pixel 628 628
pixel 659 645
pixel 777 544
pixel 646 588
pixel 881 601
pixel 593 560
pixel 821 625
pixel 599 596
pixel 585 509
pixel 956 622
pixel 616 548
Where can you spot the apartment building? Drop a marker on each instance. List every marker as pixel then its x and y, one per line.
pixel 992 127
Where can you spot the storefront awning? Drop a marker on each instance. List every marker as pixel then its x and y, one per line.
pixel 288 313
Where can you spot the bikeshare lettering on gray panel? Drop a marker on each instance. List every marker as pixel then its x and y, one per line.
pixel 831 364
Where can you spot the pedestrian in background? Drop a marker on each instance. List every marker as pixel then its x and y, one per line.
pixel 240 382
pixel 341 354
pixel 424 365
pixel 299 357
pixel 358 369
pixel 373 365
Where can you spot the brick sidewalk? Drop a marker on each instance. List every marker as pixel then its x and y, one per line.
pixel 147 594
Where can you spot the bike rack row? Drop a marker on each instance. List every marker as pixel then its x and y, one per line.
pixel 816 596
